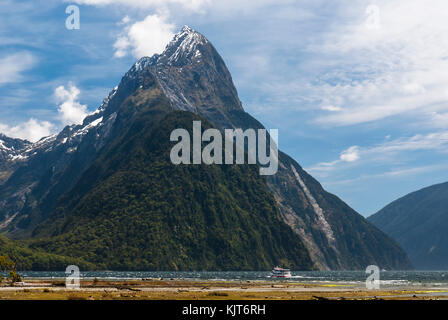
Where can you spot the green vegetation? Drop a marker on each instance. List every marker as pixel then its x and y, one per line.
pixel 134 210
pixel 24 258
pixel 419 222
pixel 6 264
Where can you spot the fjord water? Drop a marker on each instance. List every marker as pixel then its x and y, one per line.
pixel 388 278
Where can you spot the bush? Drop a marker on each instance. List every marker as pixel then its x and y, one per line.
pixel 14 276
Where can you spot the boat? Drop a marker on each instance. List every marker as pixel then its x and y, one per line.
pixel 278 272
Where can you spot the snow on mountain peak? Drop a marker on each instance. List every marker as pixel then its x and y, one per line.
pixel 186 43
pixel 184 48
pixel 186 28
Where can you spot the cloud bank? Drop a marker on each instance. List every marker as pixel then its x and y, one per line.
pixel 190 5
pixel 392 61
pixel 32 130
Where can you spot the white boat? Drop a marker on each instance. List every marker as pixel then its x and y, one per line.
pixel 278 272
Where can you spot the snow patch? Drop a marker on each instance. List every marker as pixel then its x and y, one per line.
pixel 2 146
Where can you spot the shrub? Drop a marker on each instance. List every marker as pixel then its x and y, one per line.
pixel 14 276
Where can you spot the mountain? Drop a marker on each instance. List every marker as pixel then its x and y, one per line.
pixel 134 210
pixel 418 221
pixel 107 192
pixel 10 155
pixel 48 168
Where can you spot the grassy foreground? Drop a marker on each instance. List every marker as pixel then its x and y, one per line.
pixel 157 289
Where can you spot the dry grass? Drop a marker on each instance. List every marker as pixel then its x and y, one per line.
pixel 154 289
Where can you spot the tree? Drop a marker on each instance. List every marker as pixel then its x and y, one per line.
pixel 6 264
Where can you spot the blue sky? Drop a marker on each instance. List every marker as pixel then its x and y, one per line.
pixel 358 91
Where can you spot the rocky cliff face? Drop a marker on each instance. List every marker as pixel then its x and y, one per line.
pixel 11 155
pixel 190 76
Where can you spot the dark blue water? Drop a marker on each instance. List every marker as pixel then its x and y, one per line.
pixel 354 277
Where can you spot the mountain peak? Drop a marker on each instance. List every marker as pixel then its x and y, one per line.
pixel 186 28
pixel 185 46
pixel 191 74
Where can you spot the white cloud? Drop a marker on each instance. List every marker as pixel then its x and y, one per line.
pixel 32 130
pixel 144 38
pixel 439 119
pixel 190 5
pixel 331 108
pixel 224 7
pixel 70 110
pixel 126 19
pixel 350 155
pixel 386 153
pixel 437 141
pixel 400 172
pixel 121 46
pixel 13 65
pixel 398 67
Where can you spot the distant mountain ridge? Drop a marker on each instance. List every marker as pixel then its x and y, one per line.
pixel 419 222
pixel 40 200
pixel 11 151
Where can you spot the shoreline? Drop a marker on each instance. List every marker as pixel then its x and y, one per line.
pixel 175 289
